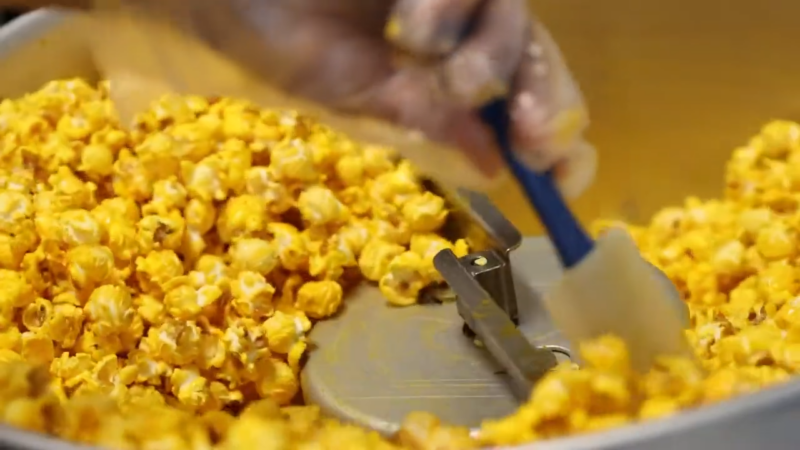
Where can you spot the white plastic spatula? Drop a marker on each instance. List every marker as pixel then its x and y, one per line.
pixel 607 286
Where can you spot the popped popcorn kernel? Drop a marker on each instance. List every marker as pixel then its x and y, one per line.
pixel 283 331
pixel 252 295
pixel 257 255
pixel 319 299
pixel 319 206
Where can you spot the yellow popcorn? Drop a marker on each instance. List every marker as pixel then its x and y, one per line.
pixel 428 245
pixel 376 257
pixel 404 279
pixel 165 275
pixel 72 190
pixel 276 380
pixel 186 302
pixel 283 331
pixel 319 206
pixel 15 207
pixel 242 216
pixel 211 269
pixel 350 170
pixel 425 432
pixel 189 387
pixel 78 227
pixel 37 348
pixel 200 216
pixel 123 241
pixel 290 246
pixel 205 180
pixel 252 295
pixel 130 179
pixel 292 161
pixel 260 181
pixel 256 255
pixel 110 307
pixel 157 232
pixel 396 186
pixel 156 269
pixel 97 160
pixel 35 315
pixel 90 265
pixel 329 258
pixel 425 213
pixel 319 299
pixel 64 324
pixel 389 227
pixel 168 194
pixel 16 292
pixel 775 242
pixel 116 209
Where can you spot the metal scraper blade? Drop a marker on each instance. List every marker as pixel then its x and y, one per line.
pixel 375 363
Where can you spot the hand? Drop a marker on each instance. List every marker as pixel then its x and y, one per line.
pixel 403 61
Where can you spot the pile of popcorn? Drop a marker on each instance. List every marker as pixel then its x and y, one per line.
pixel 180 262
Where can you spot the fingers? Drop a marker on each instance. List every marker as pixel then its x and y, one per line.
pixel 547 109
pixel 429 27
pixel 317 56
pixel 506 53
pixel 407 99
pixel 478 67
pixel 548 115
pixel 483 65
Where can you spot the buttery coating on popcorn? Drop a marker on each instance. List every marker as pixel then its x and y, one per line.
pixel 177 266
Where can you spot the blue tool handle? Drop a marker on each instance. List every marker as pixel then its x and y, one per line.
pixel 568 236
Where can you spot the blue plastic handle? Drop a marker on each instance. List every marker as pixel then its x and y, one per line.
pixel 568 236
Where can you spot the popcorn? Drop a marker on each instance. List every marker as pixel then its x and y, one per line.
pixel 164 275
